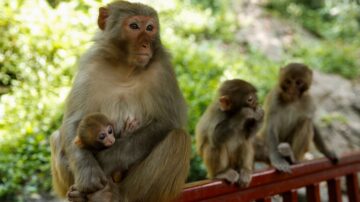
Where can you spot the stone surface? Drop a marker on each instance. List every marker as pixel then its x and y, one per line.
pixel 338 114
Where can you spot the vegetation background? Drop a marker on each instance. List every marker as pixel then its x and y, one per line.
pixel 41 41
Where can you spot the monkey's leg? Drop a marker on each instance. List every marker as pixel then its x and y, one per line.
pixel 216 160
pixel 230 175
pixel 62 178
pixel 217 164
pixel 261 150
pixel 302 137
pixel 245 163
pixel 161 176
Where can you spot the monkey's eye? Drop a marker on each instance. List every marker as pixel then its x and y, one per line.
pixel 102 136
pixel 110 130
pixel 134 26
pixel 250 99
pixel 287 81
pixel 149 28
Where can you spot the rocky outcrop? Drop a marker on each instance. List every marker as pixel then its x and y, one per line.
pixel 338 111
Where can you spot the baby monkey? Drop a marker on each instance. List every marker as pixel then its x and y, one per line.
pixel 95 133
pixel 225 132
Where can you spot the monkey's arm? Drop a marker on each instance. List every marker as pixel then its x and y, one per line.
pixel 275 157
pixel 134 148
pixel 252 120
pixel 246 162
pixel 320 144
pixel 221 133
pixel 87 172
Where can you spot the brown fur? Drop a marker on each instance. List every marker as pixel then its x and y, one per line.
pixel 225 132
pixel 289 112
pixel 112 81
pixel 87 135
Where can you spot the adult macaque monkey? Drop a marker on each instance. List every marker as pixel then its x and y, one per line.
pixel 126 75
pixel 225 132
pixel 288 127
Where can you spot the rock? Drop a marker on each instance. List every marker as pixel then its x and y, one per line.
pixel 338 114
pixel 267 34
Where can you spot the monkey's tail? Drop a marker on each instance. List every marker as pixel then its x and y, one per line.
pixel 163 172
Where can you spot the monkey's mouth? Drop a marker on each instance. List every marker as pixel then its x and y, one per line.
pixel 141 59
pixel 143 55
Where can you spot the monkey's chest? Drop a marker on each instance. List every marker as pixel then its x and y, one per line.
pixel 288 119
pixel 125 105
pixel 235 144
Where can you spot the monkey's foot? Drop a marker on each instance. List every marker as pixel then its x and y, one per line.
pixel 285 151
pixel 245 178
pixel 281 165
pixel 229 175
pixel 333 157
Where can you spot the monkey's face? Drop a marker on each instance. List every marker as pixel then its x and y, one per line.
pixel 295 79
pixel 141 33
pixel 106 136
pixel 250 100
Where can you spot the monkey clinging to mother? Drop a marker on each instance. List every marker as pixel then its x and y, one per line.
pixel 127 76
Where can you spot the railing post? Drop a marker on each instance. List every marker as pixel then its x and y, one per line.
pixel 266 199
pixel 313 193
pixel 290 196
pixel 352 186
pixel 334 190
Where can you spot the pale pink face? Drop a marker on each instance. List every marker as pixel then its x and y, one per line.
pixel 141 32
pixel 106 136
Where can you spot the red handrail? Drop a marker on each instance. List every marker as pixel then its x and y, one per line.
pixel 270 182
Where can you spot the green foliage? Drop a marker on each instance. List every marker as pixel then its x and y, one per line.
pixel 333 117
pixel 338 25
pixel 39 47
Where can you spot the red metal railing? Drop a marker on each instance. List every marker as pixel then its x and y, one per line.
pixel 268 183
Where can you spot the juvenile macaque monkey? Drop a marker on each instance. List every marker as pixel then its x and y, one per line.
pixel 126 75
pixel 288 127
pixel 225 132
pixel 95 133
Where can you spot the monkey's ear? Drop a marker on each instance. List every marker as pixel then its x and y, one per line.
pixel 78 142
pixel 103 15
pixel 225 103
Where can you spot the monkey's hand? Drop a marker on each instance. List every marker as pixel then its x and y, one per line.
pixel 245 177
pixel 280 163
pixel 332 156
pixel 131 124
pixel 259 114
pixel 252 120
pixel 74 194
pixel 229 175
pixel 90 179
